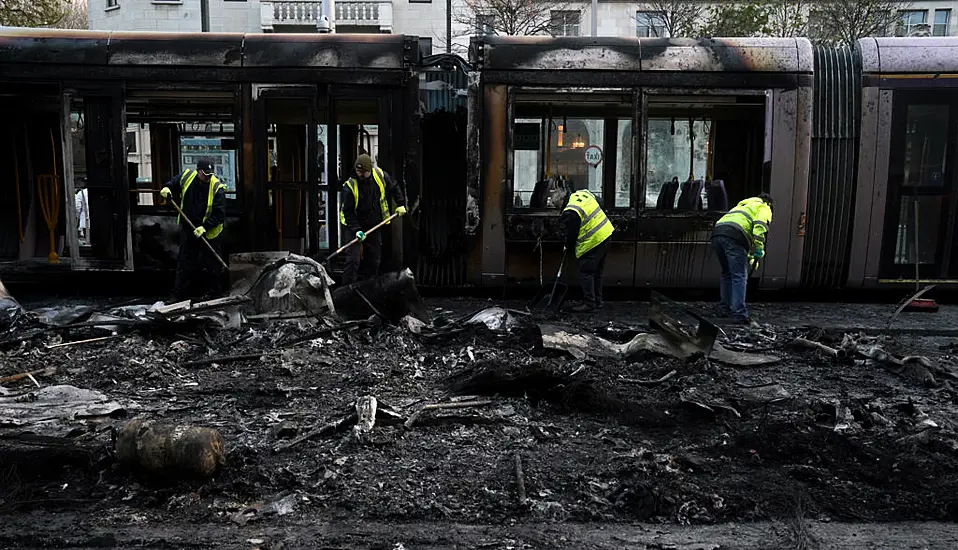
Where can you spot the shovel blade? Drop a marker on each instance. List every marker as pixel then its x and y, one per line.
pixel 547 299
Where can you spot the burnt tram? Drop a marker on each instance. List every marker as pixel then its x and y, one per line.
pixel 856 145
pixel 276 112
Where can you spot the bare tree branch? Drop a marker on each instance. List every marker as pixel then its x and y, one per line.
pixel 510 17
pixel 788 18
pixel 679 18
pixel 845 21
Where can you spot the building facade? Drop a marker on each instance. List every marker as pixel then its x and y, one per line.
pixel 424 18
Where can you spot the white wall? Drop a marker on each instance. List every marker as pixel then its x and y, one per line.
pixel 182 16
pixel 429 20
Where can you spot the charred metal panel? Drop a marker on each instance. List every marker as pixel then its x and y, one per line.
pixel 879 195
pixel 865 185
pixel 833 176
pixel 675 264
pixel 913 55
pixel 525 268
pixel 537 53
pixel 785 105
pixel 657 79
pixel 630 54
pixel 494 134
pixel 208 50
pixel 771 55
pixel 803 132
pixel 53 46
pixel 368 51
pixel 186 50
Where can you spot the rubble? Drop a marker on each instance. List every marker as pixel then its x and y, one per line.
pixel 10 309
pixel 471 412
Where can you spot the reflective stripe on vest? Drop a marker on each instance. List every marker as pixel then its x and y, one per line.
pixel 215 187
pixel 742 217
pixel 353 186
pixel 594 226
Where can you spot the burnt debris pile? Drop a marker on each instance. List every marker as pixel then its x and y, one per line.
pixel 298 399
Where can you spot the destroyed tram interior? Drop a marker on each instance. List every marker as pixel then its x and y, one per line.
pixel 855 146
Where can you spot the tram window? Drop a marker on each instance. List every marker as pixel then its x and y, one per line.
pixel 703 153
pixel 560 164
pixel 929 215
pixel 677 151
pixel 624 170
pixel 561 143
pixel 926 145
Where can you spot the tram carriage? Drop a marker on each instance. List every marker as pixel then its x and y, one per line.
pixel 848 141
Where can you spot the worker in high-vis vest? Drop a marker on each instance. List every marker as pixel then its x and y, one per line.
pixel 202 196
pixel 738 241
pixel 587 232
pixel 364 203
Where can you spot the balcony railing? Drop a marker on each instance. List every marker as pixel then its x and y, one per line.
pixel 360 13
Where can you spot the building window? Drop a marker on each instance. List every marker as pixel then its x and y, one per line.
pixel 911 22
pixel 131 142
pixel 485 24
pixel 420 1
pixel 425 46
pixel 111 4
pixel 649 24
pixel 942 19
pixel 565 22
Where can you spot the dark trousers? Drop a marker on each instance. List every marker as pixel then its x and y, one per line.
pixel 591 267
pixel 733 258
pixel 362 259
pixel 198 273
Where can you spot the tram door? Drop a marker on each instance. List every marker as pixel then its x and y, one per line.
pixel 97 190
pixel 289 160
pixel 920 228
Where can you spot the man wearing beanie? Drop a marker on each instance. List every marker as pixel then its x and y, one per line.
pixel 365 203
pixel 203 198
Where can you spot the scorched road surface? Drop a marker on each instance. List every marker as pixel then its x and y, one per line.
pixel 602 445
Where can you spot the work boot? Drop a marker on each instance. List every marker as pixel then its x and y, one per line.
pixel 583 307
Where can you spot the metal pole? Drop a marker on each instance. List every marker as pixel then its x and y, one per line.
pixel 448 26
pixel 595 18
pixel 205 15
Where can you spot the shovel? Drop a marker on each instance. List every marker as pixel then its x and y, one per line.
pixel 545 299
pixel 356 240
pixel 702 341
pixel 203 238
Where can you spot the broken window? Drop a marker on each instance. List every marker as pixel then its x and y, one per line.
pixel 568 142
pixel 703 152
